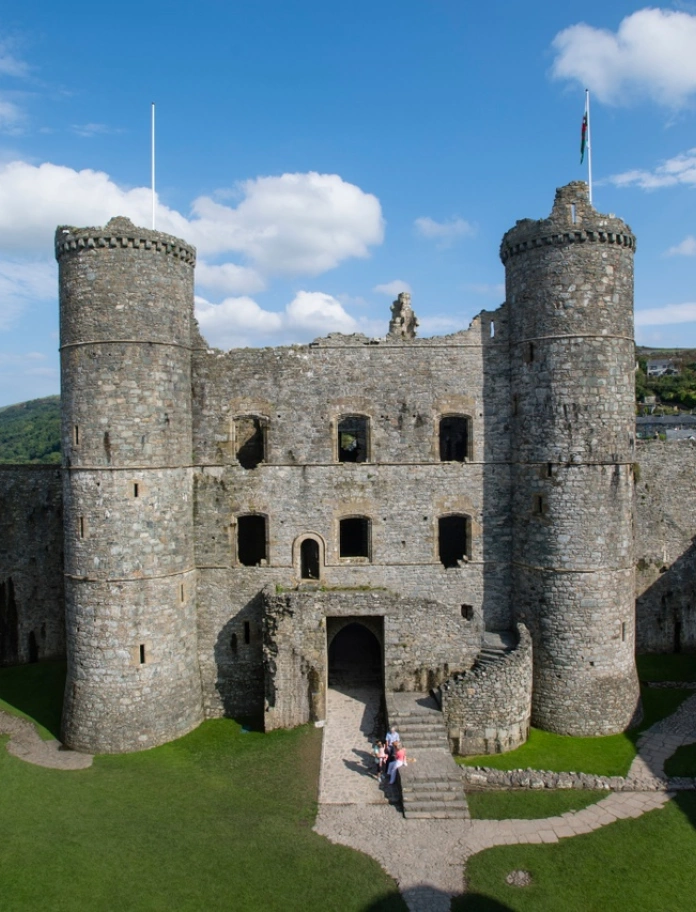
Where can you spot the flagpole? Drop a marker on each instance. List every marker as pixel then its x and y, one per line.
pixel 153 165
pixel 589 143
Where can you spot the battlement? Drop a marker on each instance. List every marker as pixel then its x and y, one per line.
pixel 121 232
pixel 573 220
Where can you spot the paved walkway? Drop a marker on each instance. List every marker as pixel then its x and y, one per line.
pixel 426 858
pixel 26 744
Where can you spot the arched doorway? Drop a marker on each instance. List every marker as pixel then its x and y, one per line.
pixel 355 654
pixel 309 559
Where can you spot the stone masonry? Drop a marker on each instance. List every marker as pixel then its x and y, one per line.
pixel 231 520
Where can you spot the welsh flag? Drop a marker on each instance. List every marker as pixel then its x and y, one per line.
pixel 583 137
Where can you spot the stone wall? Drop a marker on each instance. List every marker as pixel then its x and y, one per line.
pixel 423 643
pixel 32 610
pixel 665 531
pixel 487 709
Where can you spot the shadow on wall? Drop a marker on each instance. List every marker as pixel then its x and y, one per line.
pixel 239 660
pixel 666 609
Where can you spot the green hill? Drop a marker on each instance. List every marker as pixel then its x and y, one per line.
pixel 30 431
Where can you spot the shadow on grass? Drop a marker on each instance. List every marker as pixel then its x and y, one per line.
pixel 35 691
pixel 390 902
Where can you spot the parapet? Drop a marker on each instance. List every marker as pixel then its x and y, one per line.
pixel 573 220
pixel 121 232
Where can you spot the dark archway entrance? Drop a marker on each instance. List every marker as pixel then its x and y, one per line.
pixel 309 559
pixel 355 652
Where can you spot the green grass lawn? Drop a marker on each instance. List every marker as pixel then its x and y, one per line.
pixel 604 756
pixel 217 820
pixel 643 865
pixel 529 804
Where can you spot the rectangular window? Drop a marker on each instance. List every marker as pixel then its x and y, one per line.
pixel 247 632
pixel 142 653
pixel 250 440
pixel 81 526
pixel 251 539
pixel 181 592
pixel 354 535
pixel 136 489
pixel 353 438
pixel 76 435
pixel 454 438
pixel 452 540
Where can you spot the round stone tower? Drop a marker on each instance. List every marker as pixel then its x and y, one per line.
pixel 569 290
pixel 126 310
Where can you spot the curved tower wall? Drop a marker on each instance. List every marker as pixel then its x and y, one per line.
pixel 126 306
pixel 569 289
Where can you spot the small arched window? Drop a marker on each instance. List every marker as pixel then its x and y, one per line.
pixel 454 438
pixel 309 559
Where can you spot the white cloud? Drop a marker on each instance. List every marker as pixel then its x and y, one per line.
pixel 11 116
pixel 651 55
pixel 228 278
pixel 238 322
pixel 444 232
pixel 686 248
pixel 681 169
pixel 292 224
pixel 393 288
pixel 661 316
pixel 10 65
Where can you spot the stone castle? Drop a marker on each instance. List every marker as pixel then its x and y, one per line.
pixel 236 527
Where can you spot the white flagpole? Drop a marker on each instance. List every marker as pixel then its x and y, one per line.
pixel 153 166
pixel 589 143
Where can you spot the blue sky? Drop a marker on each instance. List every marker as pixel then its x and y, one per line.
pixel 322 156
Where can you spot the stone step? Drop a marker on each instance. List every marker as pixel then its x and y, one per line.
pixel 437 815
pixel 418 797
pixel 427 785
pixel 423 809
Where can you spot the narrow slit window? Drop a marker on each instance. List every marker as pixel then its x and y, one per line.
pixel 181 592
pixel 353 439
pixel 549 470
pixel 251 539
pixel 142 653
pixel 247 632
pixel 354 535
pixel 250 441
pixel 492 329
pixel 452 539
pixel 454 438
pixel 538 504
pixel 82 527
pixel 76 435
pixel 136 489
pixel 623 632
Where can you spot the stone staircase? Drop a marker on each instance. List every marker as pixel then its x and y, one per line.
pixel 495 646
pixel 431 782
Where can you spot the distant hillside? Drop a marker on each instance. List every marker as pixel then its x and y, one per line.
pixel 30 431
pixel 674 392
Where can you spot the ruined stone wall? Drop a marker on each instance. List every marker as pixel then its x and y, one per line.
pixel 32 609
pixel 665 532
pixel 299 394
pixel 569 283
pixel 423 643
pixel 487 709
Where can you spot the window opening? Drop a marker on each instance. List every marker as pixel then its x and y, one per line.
pixel 468 612
pixel 82 527
pixel 309 559
pixel 142 653
pixel 181 592
pixel 76 435
pixel 492 329
pixel 355 537
pixel 623 632
pixel 538 504
pixel 549 470
pixel 251 540
pixel 250 441
pixel 454 438
pixel 136 489
pixel 247 632
pixel 530 352
pixel 353 438
pixel 452 539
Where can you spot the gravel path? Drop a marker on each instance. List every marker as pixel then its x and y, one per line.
pixel 427 858
pixel 26 744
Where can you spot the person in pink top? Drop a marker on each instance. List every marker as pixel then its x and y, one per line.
pixel 399 760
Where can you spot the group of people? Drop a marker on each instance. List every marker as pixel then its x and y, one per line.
pixel 389 755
